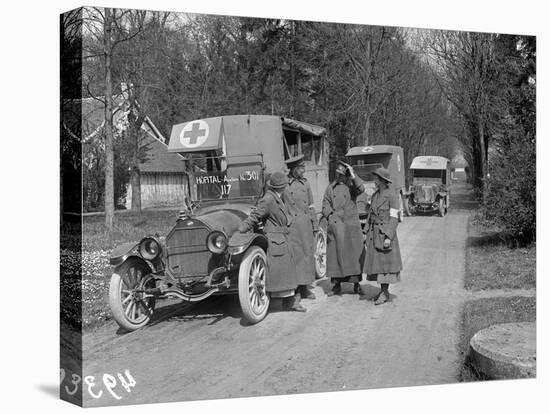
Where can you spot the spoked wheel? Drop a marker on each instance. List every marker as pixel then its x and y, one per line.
pixel 320 255
pixel 441 207
pixel 131 307
pixel 253 295
pixel 410 207
pixel 406 206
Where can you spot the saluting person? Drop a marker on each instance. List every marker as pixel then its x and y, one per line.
pixel 344 235
pixel 281 281
pixel 299 198
pixel 383 257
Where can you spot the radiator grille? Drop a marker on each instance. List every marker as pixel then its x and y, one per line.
pixel 424 193
pixel 187 252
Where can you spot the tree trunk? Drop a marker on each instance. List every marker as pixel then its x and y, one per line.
pixel 482 160
pixel 366 137
pixel 135 181
pixel 135 121
pixel 109 151
pixel 292 71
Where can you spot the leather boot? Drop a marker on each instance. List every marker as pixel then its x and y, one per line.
pixel 336 290
pixel 384 295
pixel 382 298
pixel 292 303
pixel 306 292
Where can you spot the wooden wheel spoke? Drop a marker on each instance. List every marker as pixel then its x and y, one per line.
pixel 127 311
pixel 124 282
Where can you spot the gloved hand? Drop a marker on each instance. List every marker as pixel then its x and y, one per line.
pixel 350 169
pixel 387 243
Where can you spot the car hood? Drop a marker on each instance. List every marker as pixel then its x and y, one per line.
pixel 425 192
pixel 223 217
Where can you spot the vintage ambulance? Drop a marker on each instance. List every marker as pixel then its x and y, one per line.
pixel 431 179
pixel 227 160
pixel 365 160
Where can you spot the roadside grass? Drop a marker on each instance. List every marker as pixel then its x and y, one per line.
pixel 86 274
pixel 491 263
pixel 500 267
pixel 128 226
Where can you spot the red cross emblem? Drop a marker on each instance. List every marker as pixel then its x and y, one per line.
pixel 428 162
pixel 194 134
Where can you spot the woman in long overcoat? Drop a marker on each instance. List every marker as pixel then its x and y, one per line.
pixel 274 213
pixel 344 235
pixel 299 199
pixel 383 258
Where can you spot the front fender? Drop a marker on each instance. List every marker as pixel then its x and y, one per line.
pixel 122 252
pixel 239 242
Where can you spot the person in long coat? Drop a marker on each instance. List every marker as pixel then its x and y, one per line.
pixel 299 198
pixel 344 235
pixel 383 258
pixel 277 220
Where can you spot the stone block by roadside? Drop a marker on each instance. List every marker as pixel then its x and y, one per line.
pixel 505 351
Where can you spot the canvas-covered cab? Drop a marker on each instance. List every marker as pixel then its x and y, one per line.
pixel 430 176
pixel 226 160
pixel 365 160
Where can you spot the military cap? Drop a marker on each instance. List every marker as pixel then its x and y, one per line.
pixel 277 180
pixel 297 161
pixel 383 173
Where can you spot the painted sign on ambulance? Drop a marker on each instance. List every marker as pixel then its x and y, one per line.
pixel 198 135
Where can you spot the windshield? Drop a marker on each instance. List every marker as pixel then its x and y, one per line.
pixel 364 171
pixel 428 176
pixel 216 179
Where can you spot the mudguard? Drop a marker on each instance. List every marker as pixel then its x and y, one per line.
pixel 240 242
pixel 122 252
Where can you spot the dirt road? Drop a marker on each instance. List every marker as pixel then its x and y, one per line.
pixel 343 342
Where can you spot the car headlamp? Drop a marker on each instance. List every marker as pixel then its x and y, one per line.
pixel 216 242
pixel 149 248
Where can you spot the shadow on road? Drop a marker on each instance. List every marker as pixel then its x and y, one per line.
pixel 214 308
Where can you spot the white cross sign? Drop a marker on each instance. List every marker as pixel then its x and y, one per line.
pixel 194 134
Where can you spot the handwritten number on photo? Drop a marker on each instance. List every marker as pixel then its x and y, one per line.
pixel 95 390
pixel 76 380
pixel 90 381
pixel 126 384
pixel 110 383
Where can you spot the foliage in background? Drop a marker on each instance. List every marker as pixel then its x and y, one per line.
pixel 429 91
pixel 364 83
pixel 511 186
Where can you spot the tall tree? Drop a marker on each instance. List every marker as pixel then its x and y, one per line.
pixel 465 64
pixel 109 154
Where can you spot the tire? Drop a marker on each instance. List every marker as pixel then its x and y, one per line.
pixel 441 209
pixel 320 254
pixel 406 207
pixel 130 309
pixel 253 296
pixel 410 207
